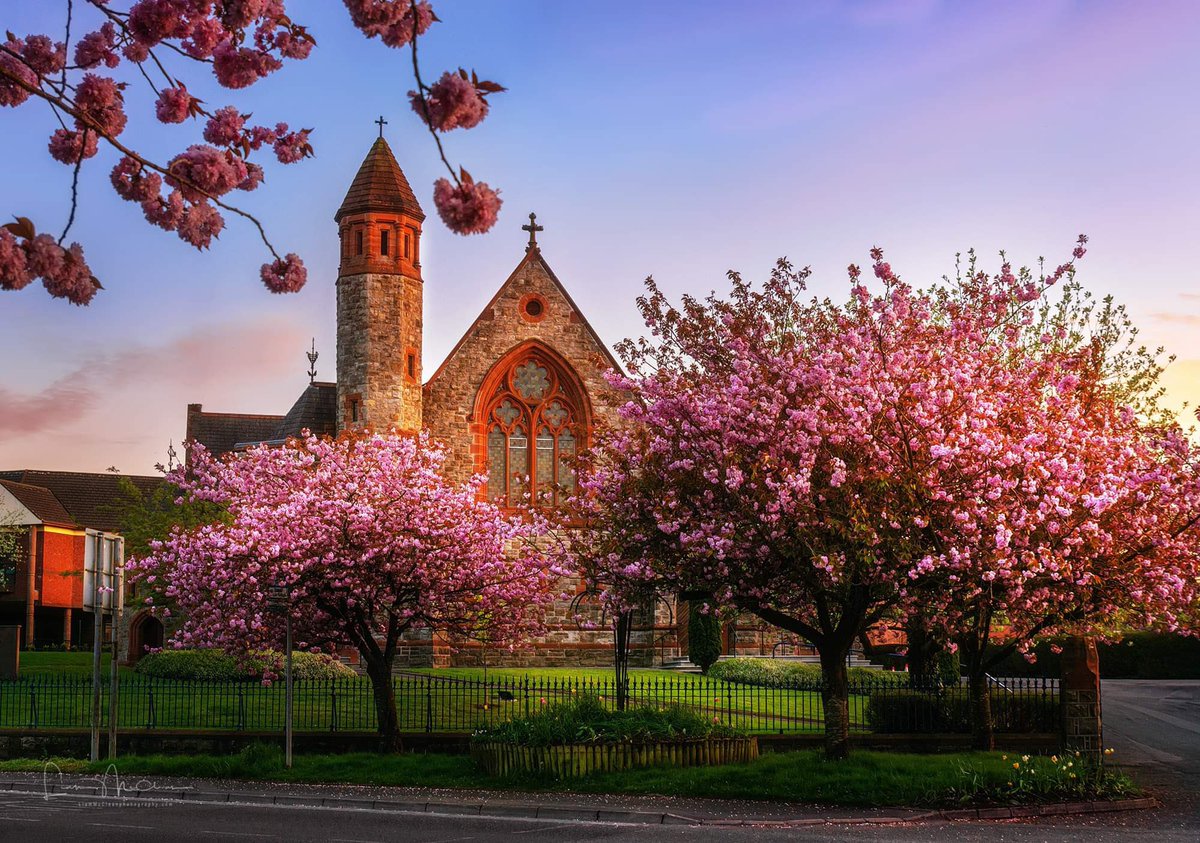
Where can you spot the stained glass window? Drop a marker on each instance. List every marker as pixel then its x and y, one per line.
pixel 531 381
pixel 518 465
pixel 531 396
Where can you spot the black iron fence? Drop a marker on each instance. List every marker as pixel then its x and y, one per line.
pixel 427 703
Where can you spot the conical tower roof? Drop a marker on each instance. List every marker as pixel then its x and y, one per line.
pixel 380 186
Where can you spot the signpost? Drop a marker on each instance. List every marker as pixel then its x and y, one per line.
pixel 103 592
pixel 279 599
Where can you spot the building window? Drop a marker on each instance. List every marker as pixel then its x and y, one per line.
pixel 412 365
pixel 407 245
pixel 533 427
pixel 358 242
pixel 383 242
pixel 355 410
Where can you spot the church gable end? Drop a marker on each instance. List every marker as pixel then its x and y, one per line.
pixel 532 315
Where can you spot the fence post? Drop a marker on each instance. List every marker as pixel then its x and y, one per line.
pixel 33 700
pixel 1080 692
pixel 241 710
pixel 333 714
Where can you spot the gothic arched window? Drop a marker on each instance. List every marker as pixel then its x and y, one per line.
pixel 534 426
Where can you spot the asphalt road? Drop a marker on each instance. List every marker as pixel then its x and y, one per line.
pixel 1153 726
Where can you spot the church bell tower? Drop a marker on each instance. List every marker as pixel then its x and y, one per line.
pixel 379 298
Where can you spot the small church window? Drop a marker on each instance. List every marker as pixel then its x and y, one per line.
pixel 355 404
pixel 358 242
pixel 412 364
pixel 383 242
pixel 407 245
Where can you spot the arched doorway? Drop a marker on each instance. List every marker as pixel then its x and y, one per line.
pixel 146 632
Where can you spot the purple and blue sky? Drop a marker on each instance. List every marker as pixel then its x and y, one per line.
pixel 673 139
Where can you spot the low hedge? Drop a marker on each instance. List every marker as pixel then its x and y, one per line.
pixel 586 720
pixel 215 665
pixel 776 673
pixel 908 711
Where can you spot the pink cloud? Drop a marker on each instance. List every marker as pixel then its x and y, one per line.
pixel 122 407
pixel 1178 318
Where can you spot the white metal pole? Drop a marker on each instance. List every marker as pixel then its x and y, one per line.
pixel 97 623
pixel 112 666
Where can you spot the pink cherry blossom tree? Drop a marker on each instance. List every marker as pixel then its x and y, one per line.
pixel 157 44
pixel 370 540
pixel 1076 498
pixel 826 466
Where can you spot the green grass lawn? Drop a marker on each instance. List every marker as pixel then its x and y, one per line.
pixel 74 663
pixel 454 699
pixel 867 779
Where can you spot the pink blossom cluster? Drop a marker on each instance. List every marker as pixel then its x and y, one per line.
pixel 470 207
pixel 453 102
pixel 392 21
pixel 286 275
pixel 26 255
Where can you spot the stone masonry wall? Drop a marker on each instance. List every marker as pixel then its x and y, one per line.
pixel 379 320
pixel 449 400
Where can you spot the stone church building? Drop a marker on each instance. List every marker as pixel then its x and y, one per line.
pixel 520 393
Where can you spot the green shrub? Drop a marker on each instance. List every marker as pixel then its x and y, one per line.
pixel 704 635
pixel 776 673
pixel 214 665
pixel 586 720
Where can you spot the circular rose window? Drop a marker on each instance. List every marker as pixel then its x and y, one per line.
pixel 533 308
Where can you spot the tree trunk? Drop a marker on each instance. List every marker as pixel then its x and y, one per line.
pixel 835 695
pixel 380 672
pixel 918 653
pixel 982 728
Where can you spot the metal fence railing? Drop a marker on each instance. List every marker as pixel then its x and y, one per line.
pixel 427 703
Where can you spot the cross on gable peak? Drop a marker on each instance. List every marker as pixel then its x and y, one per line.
pixel 533 228
pixel 381 123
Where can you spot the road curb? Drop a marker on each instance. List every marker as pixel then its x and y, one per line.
pixel 568 813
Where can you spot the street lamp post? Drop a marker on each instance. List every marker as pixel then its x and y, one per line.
pixel 279 600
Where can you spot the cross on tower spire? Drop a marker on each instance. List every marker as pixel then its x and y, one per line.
pixel 381 122
pixel 533 228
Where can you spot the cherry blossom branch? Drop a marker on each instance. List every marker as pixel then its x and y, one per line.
pixel 145 162
pixel 422 91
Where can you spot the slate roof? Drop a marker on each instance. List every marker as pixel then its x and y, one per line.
pixel 86 499
pixel 380 186
pixel 40 501
pixel 221 433
pixel 315 410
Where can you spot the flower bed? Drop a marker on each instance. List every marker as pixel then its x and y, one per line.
pixel 574 760
pixel 581 736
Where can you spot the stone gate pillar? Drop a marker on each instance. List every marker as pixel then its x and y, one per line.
pixel 1079 692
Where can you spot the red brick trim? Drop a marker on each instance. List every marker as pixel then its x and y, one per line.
pixel 533 307
pixel 568 379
